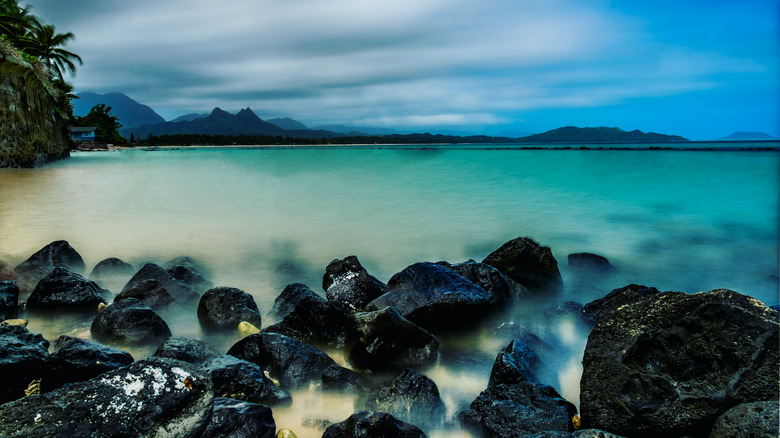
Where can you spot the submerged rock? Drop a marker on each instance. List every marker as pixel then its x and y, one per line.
pixel 110 268
pixel 348 285
pixel 593 262
pixel 240 419
pixel 365 424
pixel 129 322
pixel 23 357
pixel 317 322
pixel 223 308
pixel 385 340
pixel 180 292
pixel 55 254
pixel 188 350
pixel 527 262
pixel 63 289
pixel 519 410
pixel 78 360
pixel 671 363
pixel 243 380
pixel 410 397
pixel 296 364
pixel 434 297
pixel 9 300
pixel 151 397
pixel 189 272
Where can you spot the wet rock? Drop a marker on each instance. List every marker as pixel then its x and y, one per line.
pixel 151 397
pixel 594 433
pixel 223 308
pixel 180 292
pixel 514 364
pixel 240 419
pixel 9 300
pixel 290 297
pixel 671 363
pixel 749 420
pixel 434 297
pixel 243 380
pixel 489 278
pixel 410 397
pixel 110 268
pixel 188 350
pixel 385 340
pixel 592 262
pixel 23 358
pixel 78 360
pixel 527 262
pixel 58 253
pixel 337 378
pixel 518 410
pixel 617 298
pixel 365 424
pixel 151 292
pixel 517 331
pixel 63 289
pixel 348 285
pixel 316 322
pixel 129 322
pixel 189 272
pixel 295 363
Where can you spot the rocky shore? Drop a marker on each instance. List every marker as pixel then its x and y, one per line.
pixel 656 363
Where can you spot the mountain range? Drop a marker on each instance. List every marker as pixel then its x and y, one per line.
pixel 140 120
pixel 129 112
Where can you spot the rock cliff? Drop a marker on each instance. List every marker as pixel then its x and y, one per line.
pixel 31 132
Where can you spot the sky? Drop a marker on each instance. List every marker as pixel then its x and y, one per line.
pixel 702 69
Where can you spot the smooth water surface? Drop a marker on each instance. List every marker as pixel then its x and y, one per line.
pixel 262 218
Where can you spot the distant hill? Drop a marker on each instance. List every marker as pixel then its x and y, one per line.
pixel 287 123
pixel 358 130
pixel 189 117
pixel 573 134
pixel 220 122
pixel 129 112
pixel 742 136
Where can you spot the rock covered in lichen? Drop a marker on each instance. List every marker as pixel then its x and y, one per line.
pixel 151 397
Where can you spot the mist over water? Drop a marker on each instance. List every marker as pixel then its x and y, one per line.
pixel 259 219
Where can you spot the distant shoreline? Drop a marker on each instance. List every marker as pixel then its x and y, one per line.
pixel 756 146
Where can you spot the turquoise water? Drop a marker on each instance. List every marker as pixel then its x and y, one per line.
pixel 676 220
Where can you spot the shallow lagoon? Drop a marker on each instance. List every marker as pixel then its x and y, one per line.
pixel 262 218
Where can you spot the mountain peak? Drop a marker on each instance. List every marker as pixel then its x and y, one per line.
pixel 129 112
pixel 247 114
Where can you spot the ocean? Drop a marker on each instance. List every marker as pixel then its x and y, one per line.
pixel 261 218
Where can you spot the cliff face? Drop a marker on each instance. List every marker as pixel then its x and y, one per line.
pixel 30 132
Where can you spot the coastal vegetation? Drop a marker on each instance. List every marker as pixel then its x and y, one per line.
pixel 25 37
pixel 107 125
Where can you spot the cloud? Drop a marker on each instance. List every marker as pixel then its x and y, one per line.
pixel 379 61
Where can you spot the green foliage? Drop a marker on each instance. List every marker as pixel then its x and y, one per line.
pixel 107 125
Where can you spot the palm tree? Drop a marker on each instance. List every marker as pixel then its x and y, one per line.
pixel 46 46
pixel 16 22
